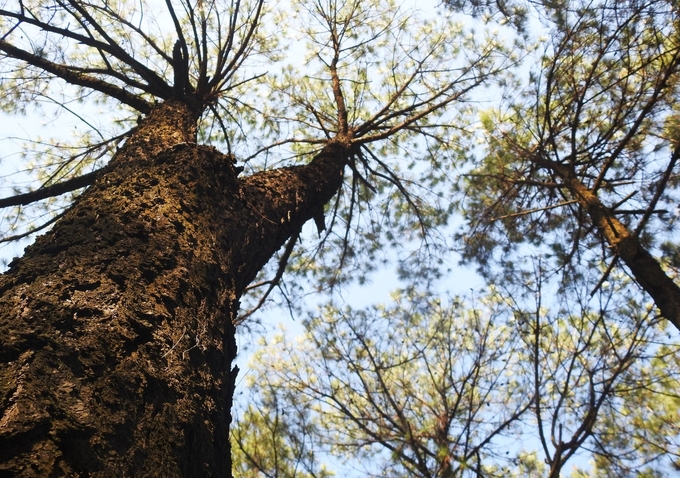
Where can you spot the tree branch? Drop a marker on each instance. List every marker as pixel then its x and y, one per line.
pixel 283 262
pixel 78 79
pixel 51 191
pixel 530 211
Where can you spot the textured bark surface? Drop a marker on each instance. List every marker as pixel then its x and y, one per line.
pixel 116 326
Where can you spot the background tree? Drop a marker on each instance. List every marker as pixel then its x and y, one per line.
pixel 416 388
pixel 420 388
pixel 583 164
pixel 580 170
pixel 650 447
pixel 591 361
pixel 275 437
pixel 117 324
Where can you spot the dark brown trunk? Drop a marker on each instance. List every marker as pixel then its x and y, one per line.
pixel 116 326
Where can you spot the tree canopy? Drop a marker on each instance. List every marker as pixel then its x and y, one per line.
pixel 120 319
pixel 389 78
pixel 433 387
pixel 538 140
pixel 581 164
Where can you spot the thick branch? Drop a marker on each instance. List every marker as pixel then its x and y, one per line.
pixel 75 78
pixel 280 201
pixel 51 191
pixel 112 48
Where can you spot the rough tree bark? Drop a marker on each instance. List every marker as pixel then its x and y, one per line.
pixel 116 326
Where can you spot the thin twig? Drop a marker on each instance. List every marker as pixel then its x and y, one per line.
pixel 530 211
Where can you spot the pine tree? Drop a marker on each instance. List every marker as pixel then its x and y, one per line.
pixel 117 324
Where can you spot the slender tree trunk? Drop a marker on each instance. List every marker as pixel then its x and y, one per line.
pixel 645 268
pixel 116 326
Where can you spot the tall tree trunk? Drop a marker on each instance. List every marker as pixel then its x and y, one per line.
pixel 116 327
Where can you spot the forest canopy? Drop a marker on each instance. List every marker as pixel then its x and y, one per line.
pixel 203 162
